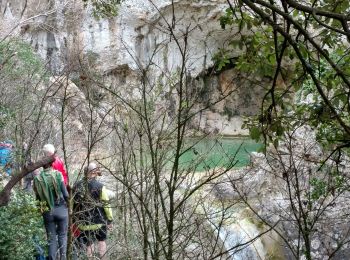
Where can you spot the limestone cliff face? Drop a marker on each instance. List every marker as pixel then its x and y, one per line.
pixel 64 32
pixel 56 28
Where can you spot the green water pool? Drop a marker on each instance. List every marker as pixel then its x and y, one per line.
pixel 218 152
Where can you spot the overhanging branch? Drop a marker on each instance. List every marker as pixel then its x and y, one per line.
pixel 6 192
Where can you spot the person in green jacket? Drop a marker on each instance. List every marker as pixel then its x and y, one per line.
pixel 92 212
pixel 49 189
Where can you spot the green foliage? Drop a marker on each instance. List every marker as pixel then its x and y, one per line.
pixel 256 46
pixel 104 8
pixel 21 74
pixel 260 46
pixel 20 61
pixel 221 59
pixel 235 16
pixel 226 18
pixel 310 105
pixel 20 223
pixel 319 188
pixel 255 133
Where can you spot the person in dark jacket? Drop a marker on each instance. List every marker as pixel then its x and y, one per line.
pixel 92 211
pixel 49 188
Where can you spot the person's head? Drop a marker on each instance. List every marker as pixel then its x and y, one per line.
pixel 93 170
pixel 49 149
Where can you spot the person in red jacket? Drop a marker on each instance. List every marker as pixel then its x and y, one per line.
pixel 49 150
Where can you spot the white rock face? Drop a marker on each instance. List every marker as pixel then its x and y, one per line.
pixel 140 29
pixel 144 32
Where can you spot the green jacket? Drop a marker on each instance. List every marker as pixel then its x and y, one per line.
pixel 49 187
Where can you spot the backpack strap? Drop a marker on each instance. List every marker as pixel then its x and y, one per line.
pixel 56 180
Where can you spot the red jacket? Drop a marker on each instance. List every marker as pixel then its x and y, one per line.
pixel 59 166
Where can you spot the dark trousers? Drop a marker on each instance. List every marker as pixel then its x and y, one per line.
pixel 56 224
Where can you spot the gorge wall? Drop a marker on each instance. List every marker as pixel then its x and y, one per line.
pixel 65 34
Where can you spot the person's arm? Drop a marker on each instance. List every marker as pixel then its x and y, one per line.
pixel 106 206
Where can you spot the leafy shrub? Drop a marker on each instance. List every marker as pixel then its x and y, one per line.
pixel 21 222
pixel 104 9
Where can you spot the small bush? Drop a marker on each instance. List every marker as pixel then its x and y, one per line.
pixel 21 224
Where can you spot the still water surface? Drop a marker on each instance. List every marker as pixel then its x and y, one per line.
pixel 219 152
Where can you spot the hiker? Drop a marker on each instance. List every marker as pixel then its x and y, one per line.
pixel 49 188
pixel 49 150
pixel 6 156
pixel 92 211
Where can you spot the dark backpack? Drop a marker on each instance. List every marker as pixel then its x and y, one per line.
pixel 88 208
